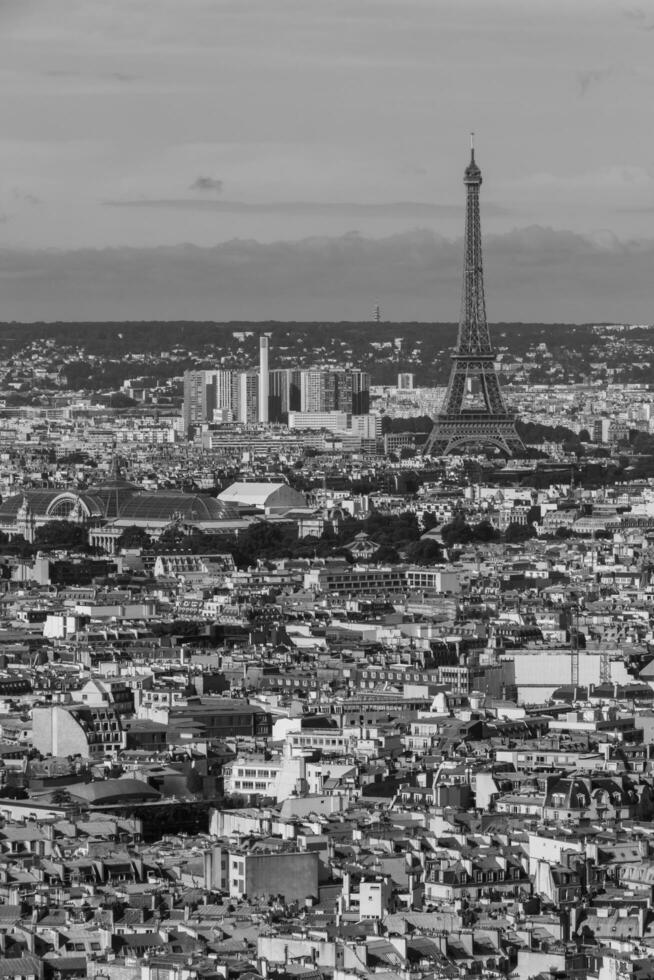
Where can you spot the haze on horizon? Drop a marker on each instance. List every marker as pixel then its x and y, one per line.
pixel 296 159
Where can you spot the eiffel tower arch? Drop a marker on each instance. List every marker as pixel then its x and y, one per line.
pixel 473 412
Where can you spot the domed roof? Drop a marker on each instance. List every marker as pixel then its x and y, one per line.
pixel 120 499
pixel 170 504
pixel 114 491
pixel 51 503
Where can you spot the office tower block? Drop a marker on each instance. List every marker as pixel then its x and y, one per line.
pixel 277 395
pixel 247 397
pixel 222 391
pixel 199 399
pixel 263 379
pixel 335 390
pixel 357 392
pixel 207 395
pixel 312 388
pixel 293 388
pixel 283 393
pixel 223 383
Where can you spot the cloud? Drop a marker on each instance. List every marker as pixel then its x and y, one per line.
pixel 591 77
pixel 618 184
pixel 413 210
pixel 638 17
pixel 26 197
pixel 66 73
pixel 532 274
pixel 207 184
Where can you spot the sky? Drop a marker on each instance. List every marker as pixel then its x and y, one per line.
pixel 303 159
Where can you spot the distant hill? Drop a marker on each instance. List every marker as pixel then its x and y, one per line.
pixel 555 351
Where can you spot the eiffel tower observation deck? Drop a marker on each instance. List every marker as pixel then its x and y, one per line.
pixel 473 415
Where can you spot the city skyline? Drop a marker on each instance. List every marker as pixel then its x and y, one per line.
pixel 296 161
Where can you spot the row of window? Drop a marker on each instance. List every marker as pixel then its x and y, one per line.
pixel 292 681
pixel 390 675
pixel 317 740
pixel 478 876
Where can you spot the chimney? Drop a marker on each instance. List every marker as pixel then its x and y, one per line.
pixel 208 870
pixel 263 379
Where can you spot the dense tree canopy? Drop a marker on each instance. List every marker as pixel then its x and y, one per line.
pixel 458 531
pixel 134 537
pixel 60 536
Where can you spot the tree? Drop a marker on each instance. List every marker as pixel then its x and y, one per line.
pixel 134 537
pixel 572 446
pixel 429 521
pixel 457 531
pixel 60 536
pixel 386 554
pixel 14 793
pixel 519 532
pixel 171 540
pixel 425 552
pixel 61 797
pixel 484 532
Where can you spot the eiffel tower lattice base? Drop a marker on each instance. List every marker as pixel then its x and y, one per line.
pixel 451 433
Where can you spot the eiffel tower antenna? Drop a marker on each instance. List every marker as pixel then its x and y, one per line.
pixel 473 412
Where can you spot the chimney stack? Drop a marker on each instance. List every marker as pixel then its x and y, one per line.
pixel 263 379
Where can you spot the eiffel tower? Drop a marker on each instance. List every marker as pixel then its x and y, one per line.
pixel 473 413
